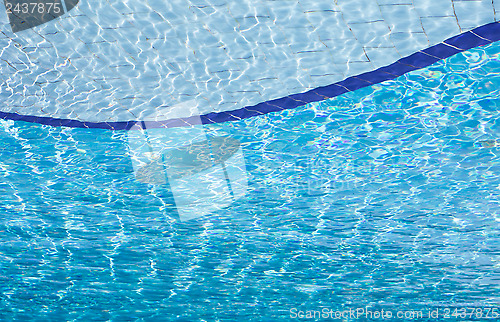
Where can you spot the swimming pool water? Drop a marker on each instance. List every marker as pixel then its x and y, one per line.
pixel 386 197
pixel 105 63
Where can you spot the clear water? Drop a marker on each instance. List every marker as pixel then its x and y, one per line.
pixel 386 197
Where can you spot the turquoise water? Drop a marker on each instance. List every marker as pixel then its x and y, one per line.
pixel 386 197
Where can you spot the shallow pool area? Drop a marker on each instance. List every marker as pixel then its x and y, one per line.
pixel 109 63
pixel 386 197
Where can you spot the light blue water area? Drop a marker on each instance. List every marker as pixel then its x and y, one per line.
pixel 385 197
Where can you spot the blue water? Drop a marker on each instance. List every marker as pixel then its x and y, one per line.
pixel 386 197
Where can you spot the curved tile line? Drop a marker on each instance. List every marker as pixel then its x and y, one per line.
pixel 479 36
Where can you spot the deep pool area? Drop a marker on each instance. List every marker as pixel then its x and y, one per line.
pixel 385 198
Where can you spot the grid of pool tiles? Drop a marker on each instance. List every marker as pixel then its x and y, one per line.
pixel 111 63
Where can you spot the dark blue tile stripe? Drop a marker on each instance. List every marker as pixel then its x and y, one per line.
pixel 467 40
pixel 441 51
pixel 490 31
pixel 477 37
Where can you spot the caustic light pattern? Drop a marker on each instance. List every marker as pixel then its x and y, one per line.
pixel 110 64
